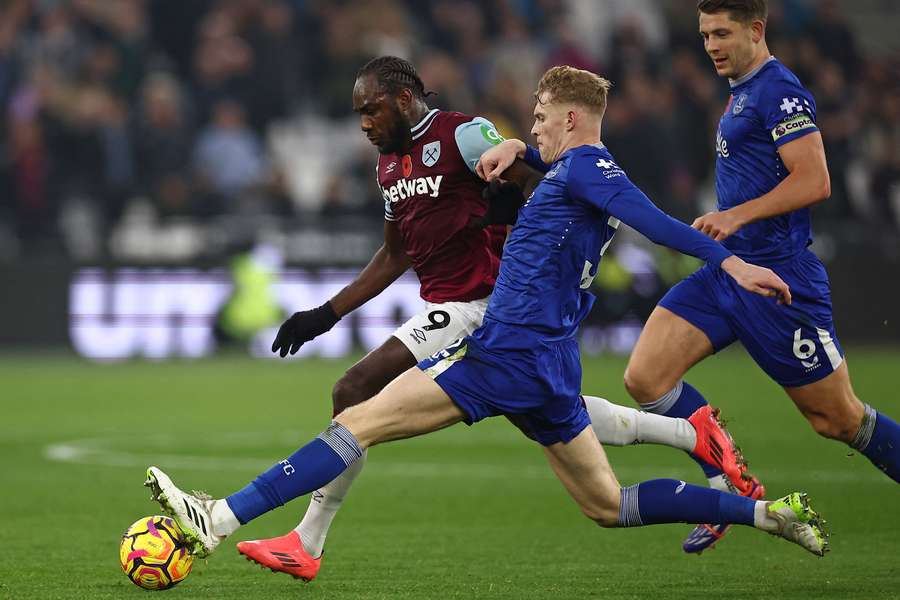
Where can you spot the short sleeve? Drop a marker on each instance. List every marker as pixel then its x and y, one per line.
pixel 788 111
pixel 595 179
pixel 474 137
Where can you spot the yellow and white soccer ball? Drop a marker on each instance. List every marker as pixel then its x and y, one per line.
pixel 154 553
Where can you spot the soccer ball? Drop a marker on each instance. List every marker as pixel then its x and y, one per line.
pixel 154 553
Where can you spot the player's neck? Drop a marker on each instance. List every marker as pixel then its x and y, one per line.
pixel 761 57
pixel 581 138
pixel 414 115
pixel 417 112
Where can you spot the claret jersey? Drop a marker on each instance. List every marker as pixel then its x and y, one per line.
pixel 432 194
pixel 767 109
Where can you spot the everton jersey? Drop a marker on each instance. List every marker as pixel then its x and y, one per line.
pixel 767 109
pixel 552 253
pixel 433 194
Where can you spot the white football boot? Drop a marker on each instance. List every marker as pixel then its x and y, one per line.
pixel 799 523
pixel 191 511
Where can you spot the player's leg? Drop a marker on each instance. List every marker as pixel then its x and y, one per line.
pixel 581 466
pixel 421 336
pixel 797 346
pixel 412 404
pixel 834 411
pixel 686 327
pixel 362 381
pixel 617 425
pixel 667 348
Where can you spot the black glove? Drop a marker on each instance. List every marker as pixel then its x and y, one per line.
pixel 504 199
pixel 303 326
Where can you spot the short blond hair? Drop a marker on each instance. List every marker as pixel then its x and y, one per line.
pixel 570 85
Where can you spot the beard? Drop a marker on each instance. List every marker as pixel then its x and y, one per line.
pixel 398 136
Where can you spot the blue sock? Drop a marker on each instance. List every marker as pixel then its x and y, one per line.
pixel 879 439
pixel 681 401
pixel 673 501
pixel 307 469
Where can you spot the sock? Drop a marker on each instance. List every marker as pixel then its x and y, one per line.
pixel 682 401
pixel 307 469
pixel 323 507
pixel 762 519
pixel 672 501
pixel 879 439
pixel 224 521
pixel 618 425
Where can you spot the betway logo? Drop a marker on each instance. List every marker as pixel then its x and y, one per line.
pixel 420 186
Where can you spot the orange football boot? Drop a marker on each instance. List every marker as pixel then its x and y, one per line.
pixel 285 554
pixel 716 447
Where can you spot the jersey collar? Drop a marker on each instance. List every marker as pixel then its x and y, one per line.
pixel 742 80
pixel 419 129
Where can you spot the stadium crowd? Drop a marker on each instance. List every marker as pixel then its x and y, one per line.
pixel 120 110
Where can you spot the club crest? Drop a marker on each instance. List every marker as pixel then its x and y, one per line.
pixel 739 104
pixel 431 152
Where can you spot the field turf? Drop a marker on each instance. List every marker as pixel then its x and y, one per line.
pixel 465 513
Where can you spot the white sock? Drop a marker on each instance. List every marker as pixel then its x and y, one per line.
pixel 323 506
pixel 618 425
pixel 719 483
pixel 762 519
pixel 224 523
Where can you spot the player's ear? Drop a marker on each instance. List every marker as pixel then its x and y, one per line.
pixel 571 120
pixel 757 30
pixel 404 99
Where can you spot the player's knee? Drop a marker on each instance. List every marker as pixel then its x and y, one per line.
pixel 642 386
pixel 349 390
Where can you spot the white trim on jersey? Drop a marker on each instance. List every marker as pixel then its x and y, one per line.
pixel 422 126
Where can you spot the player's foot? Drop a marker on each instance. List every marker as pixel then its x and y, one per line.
pixel 285 554
pixel 704 536
pixel 191 511
pixel 799 523
pixel 716 447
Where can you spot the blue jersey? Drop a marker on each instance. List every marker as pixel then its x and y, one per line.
pixel 767 109
pixel 552 253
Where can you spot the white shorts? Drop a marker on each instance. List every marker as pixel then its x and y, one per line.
pixel 439 324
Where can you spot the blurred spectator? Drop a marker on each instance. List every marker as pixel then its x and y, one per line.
pixel 228 157
pixel 188 105
pixel 164 144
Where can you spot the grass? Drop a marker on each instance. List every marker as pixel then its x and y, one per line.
pixel 464 513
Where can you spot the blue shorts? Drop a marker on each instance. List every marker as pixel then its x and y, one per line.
pixel 795 345
pixel 507 370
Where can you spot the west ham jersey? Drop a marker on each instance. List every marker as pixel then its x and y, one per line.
pixel 432 194
pixel 767 109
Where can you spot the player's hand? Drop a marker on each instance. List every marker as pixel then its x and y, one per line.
pixel 504 199
pixel 758 280
pixel 718 225
pixel 496 160
pixel 303 326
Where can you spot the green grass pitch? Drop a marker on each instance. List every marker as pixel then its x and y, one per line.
pixel 464 513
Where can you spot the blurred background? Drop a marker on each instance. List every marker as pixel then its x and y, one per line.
pixel 177 176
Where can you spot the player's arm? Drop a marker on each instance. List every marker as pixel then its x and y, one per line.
pixel 388 263
pixel 621 199
pixel 806 184
pixel 497 161
pixel 478 137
